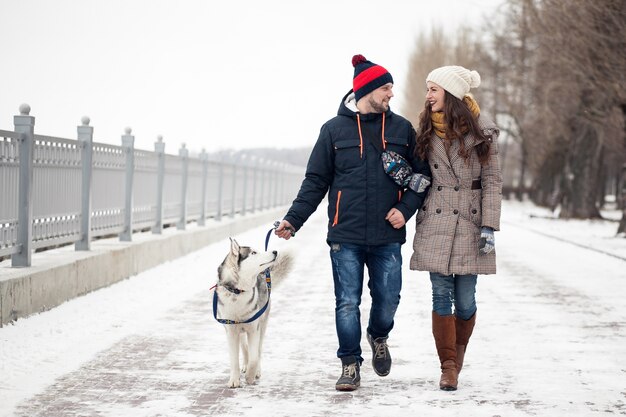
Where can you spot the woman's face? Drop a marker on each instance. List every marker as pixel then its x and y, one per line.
pixel 435 95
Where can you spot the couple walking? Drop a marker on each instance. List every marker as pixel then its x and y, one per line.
pixel 377 172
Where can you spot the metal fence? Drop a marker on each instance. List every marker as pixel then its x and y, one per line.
pixel 56 191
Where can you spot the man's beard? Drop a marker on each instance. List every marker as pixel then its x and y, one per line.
pixel 379 107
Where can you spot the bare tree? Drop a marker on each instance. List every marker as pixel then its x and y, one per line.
pixel 513 61
pixel 556 83
pixel 431 51
pixel 581 69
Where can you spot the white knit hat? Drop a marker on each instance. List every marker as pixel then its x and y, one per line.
pixel 455 79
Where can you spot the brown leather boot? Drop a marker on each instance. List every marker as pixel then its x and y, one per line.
pixel 445 340
pixel 464 330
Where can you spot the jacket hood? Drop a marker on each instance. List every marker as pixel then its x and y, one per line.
pixel 348 108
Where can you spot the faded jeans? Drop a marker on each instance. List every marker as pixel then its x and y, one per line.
pixel 459 290
pixel 384 265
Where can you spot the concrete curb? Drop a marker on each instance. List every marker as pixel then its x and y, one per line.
pixel 62 274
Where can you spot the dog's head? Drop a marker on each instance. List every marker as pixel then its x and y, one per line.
pixel 242 266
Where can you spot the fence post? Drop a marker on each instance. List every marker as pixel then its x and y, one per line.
pixel 184 154
pixel 253 164
pixel 234 190
pixel 244 191
pixel 277 185
pixel 261 174
pixel 25 125
pixel 270 186
pixel 128 143
pixel 159 149
pixel 204 158
pixel 85 141
pixel 280 188
pixel 220 187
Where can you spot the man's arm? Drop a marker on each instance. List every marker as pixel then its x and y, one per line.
pixel 319 174
pixel 411 201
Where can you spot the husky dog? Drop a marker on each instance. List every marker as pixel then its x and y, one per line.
pixel 242 292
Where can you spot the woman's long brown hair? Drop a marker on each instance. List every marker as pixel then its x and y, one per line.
pixel 457 116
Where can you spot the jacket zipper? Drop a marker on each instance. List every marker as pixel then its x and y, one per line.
pixel 336 219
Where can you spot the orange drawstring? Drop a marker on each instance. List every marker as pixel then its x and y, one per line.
pixel 383 135
pixel 382 138
pixel 358 120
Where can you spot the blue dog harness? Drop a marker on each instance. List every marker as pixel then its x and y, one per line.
pixel 268 281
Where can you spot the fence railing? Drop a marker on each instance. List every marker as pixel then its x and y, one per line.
pixel 56 191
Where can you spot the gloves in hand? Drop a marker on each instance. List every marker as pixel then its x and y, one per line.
pixel 487 241
pixel 401 172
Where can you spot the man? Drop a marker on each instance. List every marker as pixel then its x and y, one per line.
pixel 367 212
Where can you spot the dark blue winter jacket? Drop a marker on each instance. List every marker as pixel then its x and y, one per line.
pixel 348 166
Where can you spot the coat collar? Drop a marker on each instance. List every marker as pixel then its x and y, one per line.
pixel 469 141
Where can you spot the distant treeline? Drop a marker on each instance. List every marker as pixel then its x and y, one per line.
pixel 292 156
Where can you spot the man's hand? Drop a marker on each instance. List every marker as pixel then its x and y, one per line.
pixel 396 218
pixel 285 230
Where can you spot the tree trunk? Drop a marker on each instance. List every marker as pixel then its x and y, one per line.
pixel 521 187
pixel 582 174
pixel 622 224
pixel 622 190
pixel 548 183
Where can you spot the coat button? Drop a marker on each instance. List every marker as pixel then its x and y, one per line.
pixel 455 212
pixel 456 188
pixel 438 211
pixel 439 188
pixel 474 211
pixel 436 166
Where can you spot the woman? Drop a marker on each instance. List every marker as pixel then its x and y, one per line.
pixel 454 237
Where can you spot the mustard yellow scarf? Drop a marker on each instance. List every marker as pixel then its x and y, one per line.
pixel 439 120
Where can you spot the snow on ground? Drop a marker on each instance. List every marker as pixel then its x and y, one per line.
pixel 549 338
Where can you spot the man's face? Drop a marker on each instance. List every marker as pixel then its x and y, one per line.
pixel 379 98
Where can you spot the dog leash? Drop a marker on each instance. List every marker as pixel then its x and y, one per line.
pixel 268 282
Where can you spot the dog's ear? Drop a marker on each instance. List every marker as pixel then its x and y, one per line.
pixel 234 247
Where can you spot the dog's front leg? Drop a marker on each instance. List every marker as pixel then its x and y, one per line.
pixel 233 348
pixel 253 368
pixel 262 327
pixel 244 351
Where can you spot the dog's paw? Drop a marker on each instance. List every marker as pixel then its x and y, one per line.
pixel 234 383
pixel 254 373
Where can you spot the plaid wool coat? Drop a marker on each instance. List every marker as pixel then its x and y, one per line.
pixel 448 225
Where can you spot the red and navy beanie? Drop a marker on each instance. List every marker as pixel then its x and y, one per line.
pixel 367 76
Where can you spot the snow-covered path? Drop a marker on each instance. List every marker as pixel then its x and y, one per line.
pixel 549 339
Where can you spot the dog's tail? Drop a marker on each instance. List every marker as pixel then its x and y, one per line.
pixel 282 267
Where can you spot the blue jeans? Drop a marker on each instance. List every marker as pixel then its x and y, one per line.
pixel 384 265
pixel 457 289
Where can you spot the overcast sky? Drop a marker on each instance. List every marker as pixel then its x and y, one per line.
pixel 214 75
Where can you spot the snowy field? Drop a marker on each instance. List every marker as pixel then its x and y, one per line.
pixel 549 341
